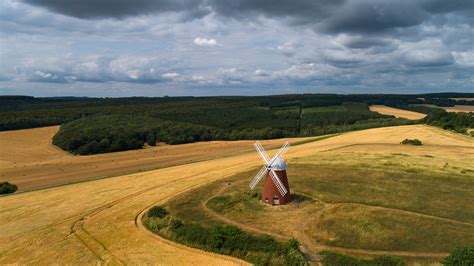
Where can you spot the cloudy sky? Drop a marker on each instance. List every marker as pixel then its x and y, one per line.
pixel 235 47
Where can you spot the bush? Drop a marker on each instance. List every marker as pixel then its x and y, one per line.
pixel 7 188
pixel 157 211
pixel 414 142
pixel 151 139
pixel 230 240
pixel 155 224
pixel 389 261
pixel 333 259
pixel 462 256
pixel 176 224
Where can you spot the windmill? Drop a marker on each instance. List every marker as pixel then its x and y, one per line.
pixel 276 190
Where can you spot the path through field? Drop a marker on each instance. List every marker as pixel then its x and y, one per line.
pixel 95 221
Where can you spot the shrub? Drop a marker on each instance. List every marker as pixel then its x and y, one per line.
pixel 151 139
pixel 333 259
pixel 389 261
pixel 176 224
pixel 7 188
pixel 157 211
pixel 414 142
pixel 462 256
pixel 155 224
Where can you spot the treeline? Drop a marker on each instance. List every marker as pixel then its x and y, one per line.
pixel 345 117
pixel 19 112
pixel 458 122
pixel 100 134
pixel 97 125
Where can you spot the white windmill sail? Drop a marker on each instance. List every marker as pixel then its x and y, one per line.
pixel 256 179
pixel 269 165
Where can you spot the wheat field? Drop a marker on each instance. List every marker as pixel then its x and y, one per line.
pixel 400 113
pixel 29 160
pixel 98 221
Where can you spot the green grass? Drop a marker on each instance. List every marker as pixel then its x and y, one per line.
pixel 380 229
pixel 411 190
pixel 236 201
pixel 351 194
pixel 187 223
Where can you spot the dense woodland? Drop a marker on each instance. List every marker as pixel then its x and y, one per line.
pixel 97 125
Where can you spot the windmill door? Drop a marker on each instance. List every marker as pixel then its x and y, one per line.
pixel 276 201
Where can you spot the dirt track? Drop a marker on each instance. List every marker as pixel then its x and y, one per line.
pixel 92 222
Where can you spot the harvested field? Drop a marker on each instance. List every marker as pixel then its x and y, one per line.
pixel 98 221
pixel 455 108
pixel 462 99
pixel 29 160
pixel 400 113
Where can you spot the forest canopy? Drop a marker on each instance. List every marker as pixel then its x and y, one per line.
pixel 98 125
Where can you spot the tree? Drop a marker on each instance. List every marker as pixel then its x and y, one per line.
pixel 7 188
pixel 151 139
pixel 461 256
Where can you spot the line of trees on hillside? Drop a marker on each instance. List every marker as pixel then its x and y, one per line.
pixel 100 134
pixel 458 122
pixel 91 126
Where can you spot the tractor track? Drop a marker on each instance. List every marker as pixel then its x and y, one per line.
pixel 105 255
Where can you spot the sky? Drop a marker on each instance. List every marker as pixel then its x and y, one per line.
pixel 115 48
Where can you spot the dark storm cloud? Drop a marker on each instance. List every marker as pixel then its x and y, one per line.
pixel 373 17
pixel 120 8
pixel 443 6
pixel 361 42
pixel 330 16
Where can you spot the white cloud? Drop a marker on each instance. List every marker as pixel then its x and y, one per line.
pixel 133 74
pixel 45 75
pixel 287 48
pixel 205 42
pixel 261 73
pixel 170 75
pixel 198 78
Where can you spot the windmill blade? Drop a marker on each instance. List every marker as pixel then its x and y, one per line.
pixel 283 150
pixel 261 151
pixel 278 183
pixel 258 177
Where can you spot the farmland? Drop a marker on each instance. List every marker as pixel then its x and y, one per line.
pixel 396 112
pixel 87 179
pixel 30 160
pixel 99 221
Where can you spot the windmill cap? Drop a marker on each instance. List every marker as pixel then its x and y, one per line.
pixel 279 164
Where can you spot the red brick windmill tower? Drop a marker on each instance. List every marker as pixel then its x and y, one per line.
pixel 276 190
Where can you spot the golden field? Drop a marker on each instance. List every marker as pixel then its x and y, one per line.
pixel 98 221
pixel 29 160
pixel 462 99
pixel 385 110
